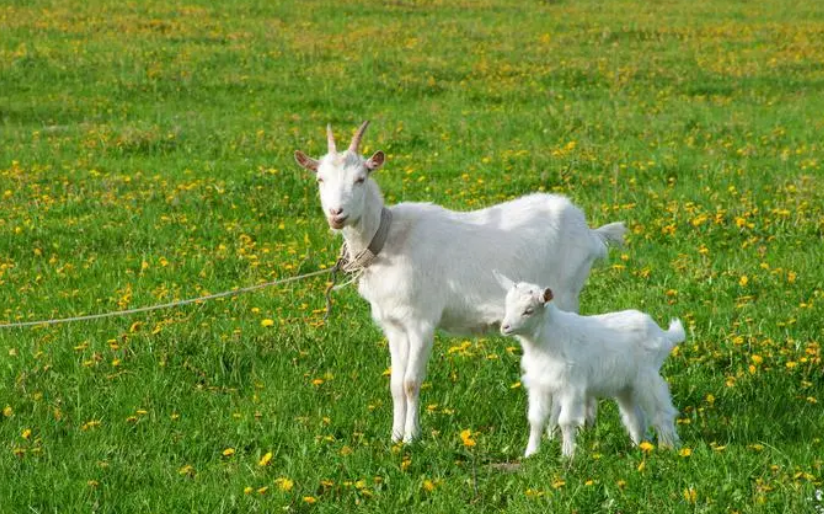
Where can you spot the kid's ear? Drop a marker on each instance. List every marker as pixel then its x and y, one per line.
pixel 506 283
pixel 547 296
pixel 376 161
pixel 306 162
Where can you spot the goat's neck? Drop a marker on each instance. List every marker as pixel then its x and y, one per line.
pixel 360 234
pixel 546 335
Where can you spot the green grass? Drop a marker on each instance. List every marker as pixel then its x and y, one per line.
pixel 146 155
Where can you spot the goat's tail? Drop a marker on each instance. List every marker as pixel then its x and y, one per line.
pixel 675 334
pixel 612 233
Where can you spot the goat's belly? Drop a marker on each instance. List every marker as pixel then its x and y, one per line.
pixel 469 322
pixel 456 328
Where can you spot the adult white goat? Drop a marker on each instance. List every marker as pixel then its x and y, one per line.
pixel 425 267
pixel 569 359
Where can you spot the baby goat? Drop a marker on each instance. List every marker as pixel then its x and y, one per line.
pixel 569 358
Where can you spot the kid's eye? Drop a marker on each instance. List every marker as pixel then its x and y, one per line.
pixel 529 311
pixel 360 180
pixel 320 180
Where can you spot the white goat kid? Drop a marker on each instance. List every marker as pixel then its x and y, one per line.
pixel 434 269
pixel 569 359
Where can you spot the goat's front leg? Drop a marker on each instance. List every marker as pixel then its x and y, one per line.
pixel 541 405
pixel 555 411
pixel 399 353
pixel 420 339
pixel 573 417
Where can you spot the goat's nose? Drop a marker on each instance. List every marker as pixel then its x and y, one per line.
pixel 335 212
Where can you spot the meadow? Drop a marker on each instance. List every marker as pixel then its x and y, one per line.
pixel 146 155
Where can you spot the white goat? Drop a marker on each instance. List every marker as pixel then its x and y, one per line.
pixel 569 359
pixel 434 269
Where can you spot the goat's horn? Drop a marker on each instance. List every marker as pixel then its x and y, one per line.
pixel 353 146
pixel 330 138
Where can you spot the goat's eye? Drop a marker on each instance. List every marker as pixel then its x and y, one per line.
pixel 529 311
pixel 360 180
pixel 320 180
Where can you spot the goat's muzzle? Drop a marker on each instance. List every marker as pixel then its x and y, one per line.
pixel 337 222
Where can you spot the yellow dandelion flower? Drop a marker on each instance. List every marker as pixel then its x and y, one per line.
pixel 466 437
pixel 309 499
pixel 187 470
pixel 90 425
pixel 248 489
pixel 26 433
pixel 690 495
pixel 516 385
pixel 285 484
pixel 265 460
pixel 757 359
pixel 7 411
pixel 263 490
pixel 428 486
pixel 646 446
pixel 267 322
pixel 685 452
pixel 228 452
pixel 743 281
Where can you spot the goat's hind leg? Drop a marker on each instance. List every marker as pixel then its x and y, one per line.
pixel 592 411
pixel 632 416
pixel 664 414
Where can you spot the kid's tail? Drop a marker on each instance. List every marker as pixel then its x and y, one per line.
pixel 675 334
pixel 612 233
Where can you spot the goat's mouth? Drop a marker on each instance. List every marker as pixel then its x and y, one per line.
pixel 337 223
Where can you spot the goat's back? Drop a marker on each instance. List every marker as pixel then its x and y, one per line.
pixel 444 259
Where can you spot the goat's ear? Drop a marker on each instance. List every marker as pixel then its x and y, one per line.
pixel 547 296
pixel 506 283
pixel 306 162
pixel 376 161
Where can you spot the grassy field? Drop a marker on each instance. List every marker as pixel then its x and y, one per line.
pixel 146 155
